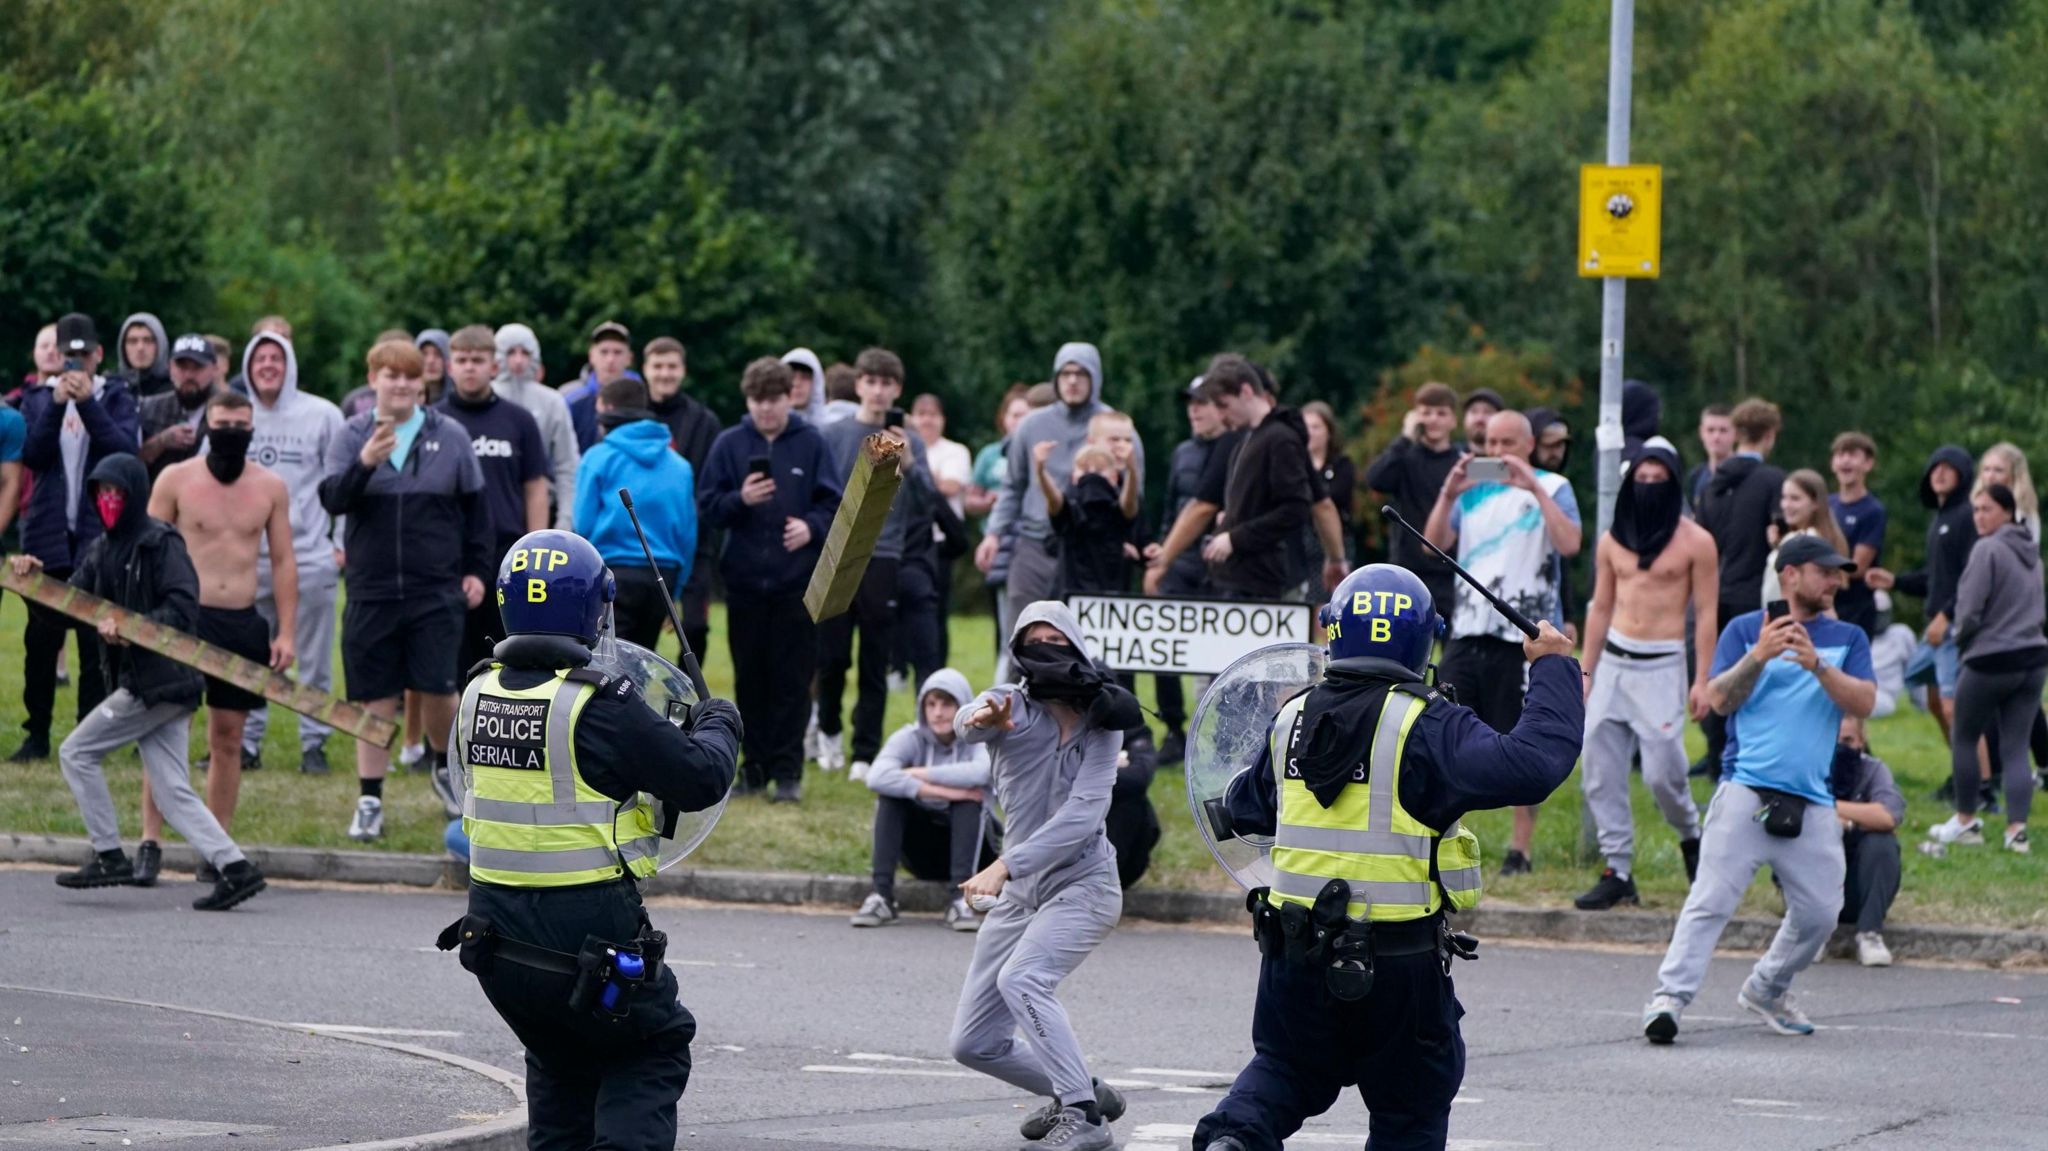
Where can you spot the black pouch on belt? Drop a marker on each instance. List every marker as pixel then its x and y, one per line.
pixel 1782 814
pixel 593 971
pixel 1297 936
pixel 473 935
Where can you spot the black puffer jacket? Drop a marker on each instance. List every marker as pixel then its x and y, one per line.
pixel 1737 508
pixel 141 565
pixel 1950 535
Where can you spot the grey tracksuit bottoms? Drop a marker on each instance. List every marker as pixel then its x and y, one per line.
pixel 160 734
pixel 1637 703
pixel 1810 867
pixel 1020 956
pixel 314 645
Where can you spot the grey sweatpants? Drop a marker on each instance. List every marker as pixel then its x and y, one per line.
pixel 1637 703
pixel 313 640
pixel 1810 868
pixel 2002 704
pixel 160 734
pixel 1020 956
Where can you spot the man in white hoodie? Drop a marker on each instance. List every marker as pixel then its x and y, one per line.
pixel 290 437
pixel 519 370
pixel 928 786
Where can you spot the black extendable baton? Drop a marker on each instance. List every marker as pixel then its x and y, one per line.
pixel 1500 605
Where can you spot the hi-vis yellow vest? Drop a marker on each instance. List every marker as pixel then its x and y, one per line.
pixel 1398 868
pixel 531 819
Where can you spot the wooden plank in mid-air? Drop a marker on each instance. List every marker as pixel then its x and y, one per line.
pixel 877 474
pixel 194 652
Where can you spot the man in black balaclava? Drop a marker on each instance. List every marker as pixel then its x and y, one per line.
pixel 140 564
pixel 226 507
pixel 1650 566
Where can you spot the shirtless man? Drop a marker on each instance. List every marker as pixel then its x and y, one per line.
pixel 1651 563
pixel 224 506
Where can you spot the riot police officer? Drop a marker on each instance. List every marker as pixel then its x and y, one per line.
pixel 1375 768
pixel 563 769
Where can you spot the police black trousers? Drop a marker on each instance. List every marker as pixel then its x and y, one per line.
pixel 774 651
pixel 42 640
pixel 874 614
pixel 591 1083
pixel 1400 1046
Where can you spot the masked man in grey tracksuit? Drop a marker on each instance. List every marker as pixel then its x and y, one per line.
pixel 1053 743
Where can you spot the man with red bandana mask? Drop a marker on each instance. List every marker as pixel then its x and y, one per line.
pixel 141 564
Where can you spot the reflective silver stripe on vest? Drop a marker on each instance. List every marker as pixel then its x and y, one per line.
pixel 587 813
pixel 1354 842
pixel 1367 891
pixel 643 848
pixel 1386 741
pixel 562 745
pixel 542 862
pixel 1460 879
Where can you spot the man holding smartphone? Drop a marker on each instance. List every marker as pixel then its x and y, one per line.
pixel 73 421
pixel 1508 522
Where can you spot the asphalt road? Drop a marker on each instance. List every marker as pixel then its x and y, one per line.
pixel 814 1037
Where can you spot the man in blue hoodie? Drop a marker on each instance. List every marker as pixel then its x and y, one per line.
pixel 634 453
pixel 772 488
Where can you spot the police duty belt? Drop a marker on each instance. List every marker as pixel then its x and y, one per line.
pixel 181 647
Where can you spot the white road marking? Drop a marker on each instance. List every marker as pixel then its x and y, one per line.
pixel 346 1029
pixel 1177 1073
pixel 1133 1084
pixel 1763 1103
pixel 838 1069
pixel 877 1057
pixel 1179 1089
pixel 726 1047
pixel 1171 1136
pixel 1783 1115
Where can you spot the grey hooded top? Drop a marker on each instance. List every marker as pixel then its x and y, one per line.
pixel 162 365
pixel 1054 792
pixel 1998 601
pixel 948 762
pixel 1019 503
pixel 291 438
pixel 806 358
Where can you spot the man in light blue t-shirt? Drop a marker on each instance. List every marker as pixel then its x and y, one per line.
pixel 1784 681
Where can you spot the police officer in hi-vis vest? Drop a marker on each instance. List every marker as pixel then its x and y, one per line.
pixel 1362 785
pixel 562 767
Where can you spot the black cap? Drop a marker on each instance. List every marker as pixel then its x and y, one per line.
pixel 610 330
pixel 1194 389
pixel 76 335
pixel 1799 550
pixel 194 347
pixel 1485 395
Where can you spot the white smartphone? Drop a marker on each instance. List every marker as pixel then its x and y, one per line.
pixel 1487 470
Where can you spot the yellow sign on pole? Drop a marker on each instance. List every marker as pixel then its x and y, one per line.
pixel 1621 221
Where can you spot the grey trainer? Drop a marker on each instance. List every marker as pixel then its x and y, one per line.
pixel 1040 1123
pixel 1072 1132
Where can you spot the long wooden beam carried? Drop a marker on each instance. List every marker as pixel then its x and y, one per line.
pixel 194 652
pixel 877 474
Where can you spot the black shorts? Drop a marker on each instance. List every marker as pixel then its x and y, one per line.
pixel 1488 674
pixel 389 647
pixel 240 630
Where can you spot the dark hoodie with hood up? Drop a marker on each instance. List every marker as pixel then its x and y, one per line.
pixel 1737 508
pixel 153 378
pixel 1267 501
pixel 1950 536
pixel 141 564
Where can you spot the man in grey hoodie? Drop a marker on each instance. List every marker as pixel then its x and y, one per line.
pixel 518 380
pixel 1053 743
pixel 928 803
pixel 1020 506
pixel 291 434
pixel 145 355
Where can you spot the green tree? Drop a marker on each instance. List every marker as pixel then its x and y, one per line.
pixel 612 213
pixel 95 215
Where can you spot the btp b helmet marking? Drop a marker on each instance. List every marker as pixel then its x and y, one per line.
pixel 554 583
pixel 1382 611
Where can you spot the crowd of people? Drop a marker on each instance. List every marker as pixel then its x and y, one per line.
pixel 413 489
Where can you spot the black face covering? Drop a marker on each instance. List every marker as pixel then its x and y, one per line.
pixel 227 450
pixel 1646 517
pixel 1057 671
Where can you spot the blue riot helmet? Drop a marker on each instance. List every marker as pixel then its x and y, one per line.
pixel 1382 612
pixel 554 583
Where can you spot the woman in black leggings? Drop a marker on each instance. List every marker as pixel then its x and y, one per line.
pixel 1999 613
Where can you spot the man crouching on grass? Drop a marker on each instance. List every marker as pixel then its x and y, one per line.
pixel 140 564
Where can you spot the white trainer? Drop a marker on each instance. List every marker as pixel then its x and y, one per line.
pixel 369 821
pixel 411 753
pixel 1954 831
pixel 1871 951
